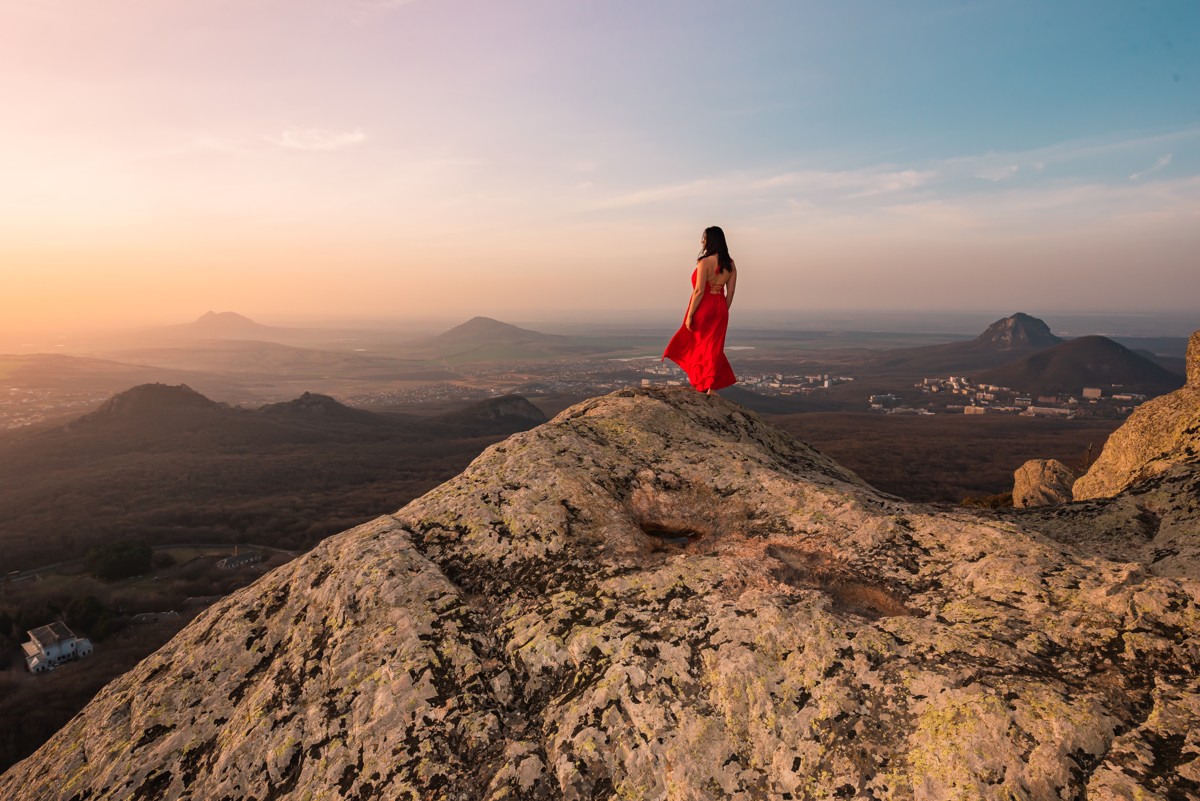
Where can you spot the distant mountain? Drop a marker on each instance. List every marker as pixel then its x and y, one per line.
pixel 482 340
pixel 226 325
pixel 1016 332
pixel 1091 361
pixel 150 399
pixel 311 405
pixel 1011 337
pixel 486 331
pixel 506 410
pixel 147 413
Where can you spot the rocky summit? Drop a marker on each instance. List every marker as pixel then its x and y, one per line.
pixel 1161 434
pixel 658 596
pixel 1019 330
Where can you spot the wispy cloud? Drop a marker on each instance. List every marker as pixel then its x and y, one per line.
pixel 999 173
pixel 848 183
pixel 1163 161
pixel 1095 158
pixel 834 184
pixel 317 139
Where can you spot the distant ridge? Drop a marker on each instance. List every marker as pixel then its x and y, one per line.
pixel 225 325
pixel 486 331
pixel 1091 361
pixel 312 405
pixel 507 409
pixel 1011 337
pixel 159 462
pixel 1017 331
pixel 150 400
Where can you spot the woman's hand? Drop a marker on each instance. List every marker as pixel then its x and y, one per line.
pixel 687 322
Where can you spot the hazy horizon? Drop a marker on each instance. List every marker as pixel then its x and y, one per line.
pixel 427 161
pixel 954 324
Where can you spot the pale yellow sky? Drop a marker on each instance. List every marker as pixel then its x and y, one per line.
pixel 327 159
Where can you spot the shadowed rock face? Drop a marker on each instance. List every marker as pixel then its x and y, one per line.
pixel 1161 433
pixel 657 596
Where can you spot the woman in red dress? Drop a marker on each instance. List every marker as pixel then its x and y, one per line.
pixel 699 345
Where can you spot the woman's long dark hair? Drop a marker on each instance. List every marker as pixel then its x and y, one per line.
pixel 714 243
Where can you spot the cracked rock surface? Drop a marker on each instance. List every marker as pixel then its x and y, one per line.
pixel 658 596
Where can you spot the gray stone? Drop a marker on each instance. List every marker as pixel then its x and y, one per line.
pixel 1042 482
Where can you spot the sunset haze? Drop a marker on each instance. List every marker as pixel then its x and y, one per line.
pixel 447 158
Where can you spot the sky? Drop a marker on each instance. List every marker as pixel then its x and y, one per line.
pixel 558 159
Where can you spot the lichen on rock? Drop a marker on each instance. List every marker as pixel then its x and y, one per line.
pixel 658 596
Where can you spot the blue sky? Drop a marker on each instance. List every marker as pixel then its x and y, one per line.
pixel 453 157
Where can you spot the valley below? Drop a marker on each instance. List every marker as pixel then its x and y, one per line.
pixel 199 446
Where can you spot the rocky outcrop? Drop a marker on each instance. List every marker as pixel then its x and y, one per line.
pixel 1161 433
pixel 1017 331
pixel 1193 360
pixel 657 596
pixel 1155 524
pixel 1042 482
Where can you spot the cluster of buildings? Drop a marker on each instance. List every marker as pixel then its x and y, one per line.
pixel 23 406
pixel 962 395
pixel 781 384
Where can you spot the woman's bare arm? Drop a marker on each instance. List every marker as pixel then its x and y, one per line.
pixel 732 285
pixel 697 292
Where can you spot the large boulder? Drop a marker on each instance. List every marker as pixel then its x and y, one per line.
pixel 1042 482
pixel 1161 433
pixel 656 595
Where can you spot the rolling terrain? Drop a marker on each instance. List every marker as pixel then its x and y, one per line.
pixel 166 464
pixel 1003 341
pixel 1091 361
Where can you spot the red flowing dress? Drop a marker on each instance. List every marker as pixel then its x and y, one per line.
pixel 701 351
